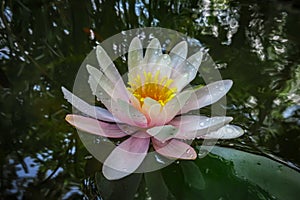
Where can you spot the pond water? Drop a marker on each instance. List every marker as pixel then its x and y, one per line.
pixel 42 44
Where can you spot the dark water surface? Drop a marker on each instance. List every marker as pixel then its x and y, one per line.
pixel 42 44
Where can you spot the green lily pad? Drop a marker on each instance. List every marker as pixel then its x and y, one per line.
pixel 156 185
pixel 121 189
pixel 275 178
pixel 192 175
pixel 232 174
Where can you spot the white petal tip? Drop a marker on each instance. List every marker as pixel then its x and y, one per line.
pixel 228 83
pixel 112 174
pixel 226 132
pixel 89 68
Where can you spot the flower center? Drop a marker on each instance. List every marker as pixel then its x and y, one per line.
pixel 152 87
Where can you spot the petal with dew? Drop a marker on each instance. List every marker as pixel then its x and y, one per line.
pixel 193 126
pixel 163 133
pixel 207 95
pixel 128 114
pixel 188 70
pixel 95 127
pixel 195 60
pixel 178 54
pixel 92 111
pixel 226 132
pixel 174 149
pixel 175 105
pixel 100 93
pixel 109 69
pixel 163 66
pixel 152 110
pixel 106 65
pixel 125 158
pixel 153 51
pixel 135 53
pixel 109 87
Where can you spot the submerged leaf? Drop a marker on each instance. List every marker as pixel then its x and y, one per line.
pixel 156 185
pixel 192 175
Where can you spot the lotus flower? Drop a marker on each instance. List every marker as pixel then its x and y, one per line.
pixel 152 109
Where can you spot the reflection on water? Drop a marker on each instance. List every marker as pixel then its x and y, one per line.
pixel 42 44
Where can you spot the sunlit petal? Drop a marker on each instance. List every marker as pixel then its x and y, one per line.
pixel 92 111
pixel 187 71
pixel 94 126
pixel 109 69
pixel 125 158
pixel 178 54
pixel 135 53
pixel 207 95
pixel 193 126
pixel 175 105
pixel 153 111
pixel 174 149
pixel 163 133
pixel 128 114
pixel 108 86
pixel 153 51
pixel 226 132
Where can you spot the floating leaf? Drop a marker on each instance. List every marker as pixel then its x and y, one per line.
pixel 277 179
pixel 156 185
pixel 192 175
pixel 124 189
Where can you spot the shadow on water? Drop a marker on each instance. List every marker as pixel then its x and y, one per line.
pixel 42 44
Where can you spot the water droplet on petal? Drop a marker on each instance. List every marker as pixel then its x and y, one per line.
pixel 201 124
pixel 202 153
pixel 188 151
pixel 229 130
pixel 159 160
pixel 186 75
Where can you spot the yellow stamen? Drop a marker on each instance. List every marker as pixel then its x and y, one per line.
pixel 152 87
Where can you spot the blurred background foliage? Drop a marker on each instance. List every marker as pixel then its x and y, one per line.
pixel 42 44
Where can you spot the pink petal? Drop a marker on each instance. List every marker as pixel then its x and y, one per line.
pixel 162 65
pixel 106 65
pixel 135 59
pixel 94 126
pixel 128 114
pixel 193 126
pixel 100 93
pixel 153 51
pixel 153 111
pixel 113 89
pixel 178 54
pixel 110 71
pixel 226 132
pixel 125 158
pixel 174 149
pixel 207 95
pixel 135 53
pixel 92 111
pixel 163 133
pixel 187 71
pixel 174 106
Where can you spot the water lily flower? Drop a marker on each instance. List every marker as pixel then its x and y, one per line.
pixel 152 109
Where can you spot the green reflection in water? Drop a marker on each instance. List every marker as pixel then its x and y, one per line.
pixel 42 44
